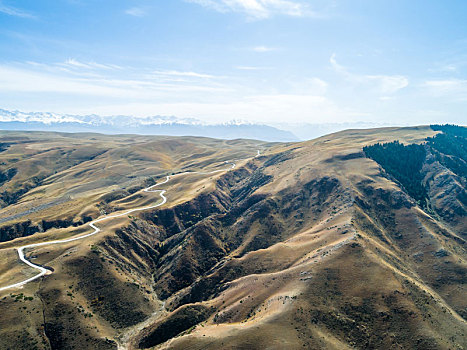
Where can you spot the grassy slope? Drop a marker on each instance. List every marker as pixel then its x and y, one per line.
pixel 123 164
pixel 307 246
pixel 385 287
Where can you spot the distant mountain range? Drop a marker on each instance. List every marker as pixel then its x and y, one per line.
pixel 154 125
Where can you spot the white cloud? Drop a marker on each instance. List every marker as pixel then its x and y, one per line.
pixel 337 67
pixel 453 65
pixel 263 49
pixel 268 109
pixel 447 85
pixel 44 87
pixel 388 84
pixel 317 84
pixel 448 68
pixel 13 11
pixel 184 74
pixel 73 63
pixel 136 12
pixel 20 80
pixel 453 88
pixel 259 9
pixel 383 84
pixel 251 68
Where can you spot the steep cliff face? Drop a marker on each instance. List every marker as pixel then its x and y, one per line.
pixel 447 193
pixel 433 173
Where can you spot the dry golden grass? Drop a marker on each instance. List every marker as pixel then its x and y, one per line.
pixel 350 264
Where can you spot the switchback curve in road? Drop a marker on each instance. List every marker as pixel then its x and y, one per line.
pixel 42 270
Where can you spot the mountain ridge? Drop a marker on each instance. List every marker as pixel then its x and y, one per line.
pixel 152 125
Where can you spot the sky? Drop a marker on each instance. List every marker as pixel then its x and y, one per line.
pixel 268 61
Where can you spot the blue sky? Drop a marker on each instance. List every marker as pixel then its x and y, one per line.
pixel 271 61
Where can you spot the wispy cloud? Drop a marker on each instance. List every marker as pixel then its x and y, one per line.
pixel 384 84
pixel 448 68
pixel 251 68
pixel 456 63
pixel 317 85
pixel 263 49
pixel 337 67
pixel 184 74
pixel 13 11
pixel 388 84
pixel 91 68
pixel 73 63
pixel 136 12
pixel 259 9
pixel 267 109
pixel 37 78
pixel 455 89
pixel 201 95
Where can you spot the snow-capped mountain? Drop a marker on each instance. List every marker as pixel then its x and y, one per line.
pixel 91 119
pixel 153 125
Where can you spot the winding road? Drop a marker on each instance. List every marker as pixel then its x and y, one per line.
pixel 43 271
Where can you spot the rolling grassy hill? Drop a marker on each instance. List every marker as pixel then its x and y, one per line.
pixel 309 245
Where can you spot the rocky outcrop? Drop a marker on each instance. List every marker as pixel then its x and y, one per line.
pixel 447 192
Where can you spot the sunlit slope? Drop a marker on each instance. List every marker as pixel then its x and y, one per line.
pixel 332 254
pixel 56 180
pixel 309 245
